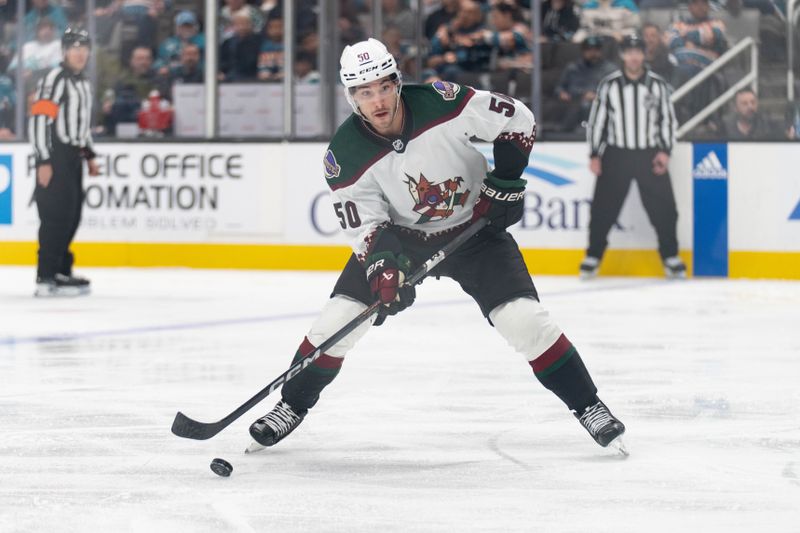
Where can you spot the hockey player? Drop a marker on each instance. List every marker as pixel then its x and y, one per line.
pixel 406 179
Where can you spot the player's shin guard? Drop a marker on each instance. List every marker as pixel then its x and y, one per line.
pixel 302 391
pixel 528 328
pixel 561 370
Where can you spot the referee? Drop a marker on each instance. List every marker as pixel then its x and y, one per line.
pixel 631 132
pixel 59 130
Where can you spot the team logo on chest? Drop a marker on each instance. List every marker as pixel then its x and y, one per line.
pixel 332 168
pixel 436 201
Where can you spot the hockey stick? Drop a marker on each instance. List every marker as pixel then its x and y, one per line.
pixel 183 426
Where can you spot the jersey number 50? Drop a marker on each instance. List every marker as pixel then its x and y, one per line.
pixel 502 104
pixel 348 215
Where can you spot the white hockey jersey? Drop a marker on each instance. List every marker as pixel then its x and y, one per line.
pixel 429 178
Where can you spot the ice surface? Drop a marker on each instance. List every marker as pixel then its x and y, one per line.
pixel 434 423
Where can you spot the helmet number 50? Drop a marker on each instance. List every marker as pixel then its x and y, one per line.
pixel 348 215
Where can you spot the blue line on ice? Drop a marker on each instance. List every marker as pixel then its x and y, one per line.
pixel 62 337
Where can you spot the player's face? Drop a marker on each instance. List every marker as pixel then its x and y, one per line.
pixel 378 103
pixel 76 57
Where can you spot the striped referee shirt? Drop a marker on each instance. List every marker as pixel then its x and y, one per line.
pixel 632 114
pixel 61 112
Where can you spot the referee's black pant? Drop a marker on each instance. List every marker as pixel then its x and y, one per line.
pixel 619 168
pixel 59 205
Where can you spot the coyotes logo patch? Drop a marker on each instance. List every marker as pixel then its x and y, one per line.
pixel 446 89
pixel 436 201
pixel 332 168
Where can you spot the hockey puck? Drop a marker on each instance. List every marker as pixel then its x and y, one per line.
pixel 221 467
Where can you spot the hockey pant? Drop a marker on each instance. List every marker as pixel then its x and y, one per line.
pixel 523 322
pixel 59 205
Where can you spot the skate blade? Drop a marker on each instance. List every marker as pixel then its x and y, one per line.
pixel 619 445
pixel 60 292
pixel 254 448
pixel 675 275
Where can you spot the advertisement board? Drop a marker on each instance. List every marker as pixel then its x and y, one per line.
pixel 267 205
pixel 160 193
pixel 764 197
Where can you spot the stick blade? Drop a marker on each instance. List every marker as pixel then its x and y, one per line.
pixel 185 427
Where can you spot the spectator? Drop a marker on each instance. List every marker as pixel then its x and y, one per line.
pixel 41 9
pixel 41 54
pixel 460 46
pixel 121 102
pixel 141 18
pixel 235 6
pixel 577 88
pixel 270 60
pixel 8 13
pixel 186 31
pixel 696 42
pixel 656 53
pixel 305 14
pixel 238 58
pixel 400 49
pixel 608 18
pixel 7 45
pixel 7 99
pixel 107 16
pixel 305 70
pixel 559 20
pixel 189 70
pixel 441 16
pixel 510 37
pixel 746 123
pixel 792 120
pixel 397 14
pixel 351 30
pixel 268 6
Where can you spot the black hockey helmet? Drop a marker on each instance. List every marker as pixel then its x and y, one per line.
pixel 75 37
pixel 632 41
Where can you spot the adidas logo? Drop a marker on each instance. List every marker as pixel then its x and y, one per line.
pixel 710 168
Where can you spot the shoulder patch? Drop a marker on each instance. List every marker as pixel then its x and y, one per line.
pixel 447 89
pixel 332 168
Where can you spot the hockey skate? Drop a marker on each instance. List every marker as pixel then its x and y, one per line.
pixel 61 285
pixel 674 268
pixel 603 426
pixel 589 267
pixel 275 426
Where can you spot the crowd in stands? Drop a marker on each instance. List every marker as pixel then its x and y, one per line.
pixel 150 45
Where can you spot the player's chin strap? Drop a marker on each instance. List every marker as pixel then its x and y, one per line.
pixel 183 426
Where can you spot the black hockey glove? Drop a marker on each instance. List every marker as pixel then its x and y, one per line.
pixel 502 202
pixel 386 272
